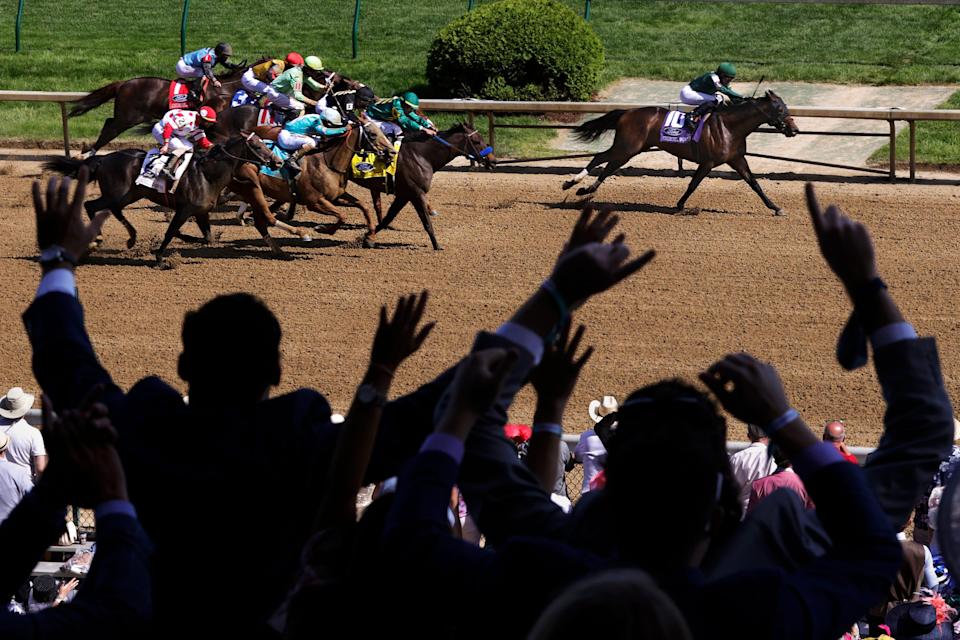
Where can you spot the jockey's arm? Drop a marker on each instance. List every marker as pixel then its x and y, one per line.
pixel 204 142
pixel 208 70
pixel 727 91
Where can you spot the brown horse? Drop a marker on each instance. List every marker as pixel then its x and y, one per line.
pixel 146 100
pixel 421 156
pixel 723 141
pixel 322 181
pixel 196 195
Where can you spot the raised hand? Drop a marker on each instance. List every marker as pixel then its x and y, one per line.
pixel 590 228
pixel 84 467
pixel 60 221
pixel 557 374
pixel 398 338
pixel 748 389
pixel 845 243
pixel 593 268
pixel 479 378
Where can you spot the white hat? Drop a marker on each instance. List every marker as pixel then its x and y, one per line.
pixel 956 429
pixel 16 403
pixel 4 441
pixel 598 409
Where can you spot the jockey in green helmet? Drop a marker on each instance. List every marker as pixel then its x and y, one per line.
pixel 400 112
pixel 710 90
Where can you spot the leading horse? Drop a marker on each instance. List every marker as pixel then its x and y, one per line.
pixel 723 141
pixel 146 99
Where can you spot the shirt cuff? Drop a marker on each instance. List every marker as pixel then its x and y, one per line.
pixel 58 280
pixel 524 338
pixel 892 333
pixel 548 427
pixel 444 443
pixel 111 507
pixel 815 457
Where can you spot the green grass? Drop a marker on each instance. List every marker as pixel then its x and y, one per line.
pixel 938 143
pixel 80 46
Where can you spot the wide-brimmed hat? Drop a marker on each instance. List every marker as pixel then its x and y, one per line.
pixel 913 621
pixel 956 429
pixel 4 442
pixel 598 409
pixel 16 403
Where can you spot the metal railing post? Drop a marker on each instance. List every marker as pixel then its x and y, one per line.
pixel 66 129
pixel 356 29
pixel 471 4
pixel 586 11
pixel 893 151
pixel 18 25
pixel 913 151
pixel 183 26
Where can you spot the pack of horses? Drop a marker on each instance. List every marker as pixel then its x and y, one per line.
pixel 233 164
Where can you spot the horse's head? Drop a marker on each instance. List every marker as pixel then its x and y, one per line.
pixel 779 116
pixel 469 143
pixel 255 150
pixel 372 138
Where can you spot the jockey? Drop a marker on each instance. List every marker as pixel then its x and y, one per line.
pixel 257 79
pixel 399 114
pixel 180 130
pixel 199 64
pixel 710 90
pixel 289 84
pixel 302 135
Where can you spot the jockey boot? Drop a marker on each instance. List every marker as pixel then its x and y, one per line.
pixel 169 168
pixel 694 116
pixel 196 91
pixel 292 164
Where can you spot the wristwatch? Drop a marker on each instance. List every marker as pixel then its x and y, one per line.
pixel 369 394
pixel 55 254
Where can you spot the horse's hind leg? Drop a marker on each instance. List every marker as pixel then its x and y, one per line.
pixel 110 130
pixel 597 160
pixel 399 202
pixel 698 176
pixel 423 210
pixel 131 231
pixel 740 166
pixel 173 229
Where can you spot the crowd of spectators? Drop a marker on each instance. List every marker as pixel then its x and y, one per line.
pixel 470 532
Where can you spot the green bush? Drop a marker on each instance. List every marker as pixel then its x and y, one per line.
pixel 517 50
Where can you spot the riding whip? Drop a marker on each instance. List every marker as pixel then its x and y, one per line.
pixel 758 86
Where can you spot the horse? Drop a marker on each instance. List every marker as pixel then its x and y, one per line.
pixel 196 194
pixel 723 141
pixel 146 100
pixel 322 181
pixel 421 156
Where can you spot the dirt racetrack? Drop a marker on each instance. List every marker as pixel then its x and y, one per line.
pixel 731 278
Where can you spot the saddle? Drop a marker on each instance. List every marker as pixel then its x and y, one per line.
pixel 153 176
pixel 186 94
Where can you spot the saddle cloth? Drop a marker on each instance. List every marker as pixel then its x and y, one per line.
pixel 674 128
pixel 161 183
pixel 267 116
pixel 179 95
pixel 280 153
pixel 367 165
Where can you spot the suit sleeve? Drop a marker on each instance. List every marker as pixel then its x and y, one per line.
pixel 33 525
pixel 918 426
pixel 114 600
pixel 64 362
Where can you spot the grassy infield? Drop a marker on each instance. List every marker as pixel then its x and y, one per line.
pixel 79 46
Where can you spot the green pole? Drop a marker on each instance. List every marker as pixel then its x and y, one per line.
pixel 183 27
pixel 19 24
pixel 470 4
pixel 356 29
pixel 586 11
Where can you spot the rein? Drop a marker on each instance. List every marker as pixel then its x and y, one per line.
pixel 474 155
pixel 257 161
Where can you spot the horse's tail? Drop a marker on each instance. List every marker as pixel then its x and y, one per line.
pixel 71 166
pixel 593 129
pixel 96 98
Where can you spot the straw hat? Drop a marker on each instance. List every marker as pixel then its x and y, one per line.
pixel 16 403
pixel 4 442
pixel 600 408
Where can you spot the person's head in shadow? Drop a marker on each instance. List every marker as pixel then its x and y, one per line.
pixel 669 482
pixel 623 604
pixel 231 351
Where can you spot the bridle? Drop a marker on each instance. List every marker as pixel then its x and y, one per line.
pixel 473 154
pixel 778 122
pixel 257 160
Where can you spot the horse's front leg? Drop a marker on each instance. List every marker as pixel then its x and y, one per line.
pixel 740 165
pixel 698 176
pixel 324 206
pixel 351 201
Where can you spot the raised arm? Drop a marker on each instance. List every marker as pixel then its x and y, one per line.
pixel 396 339
pixel 64 362
pixel 554 381
pixel 918 424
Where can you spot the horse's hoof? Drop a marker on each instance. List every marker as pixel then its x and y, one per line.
pixel 326 229
pixel 567 184
pixel 306 237
pixel 779 212
pixel 434 213
pixel 438 248
pixel 369 242
pixel 163 264
pixel 582 191
pixel 131 242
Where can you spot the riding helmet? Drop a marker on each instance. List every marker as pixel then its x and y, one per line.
pixel 331 116
pixel 411 99
pixel 314 63
pixel 208 114
pixel 727 69
pixel 294 59
pixel 223 50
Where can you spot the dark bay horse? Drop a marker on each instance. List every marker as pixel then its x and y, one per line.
pixel 321 184
pixel 146 100
pixel 196 195
pixel 723 141
pixel 421 156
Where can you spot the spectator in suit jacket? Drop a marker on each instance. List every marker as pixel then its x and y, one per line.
pixel 115 598
pixel 250 459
